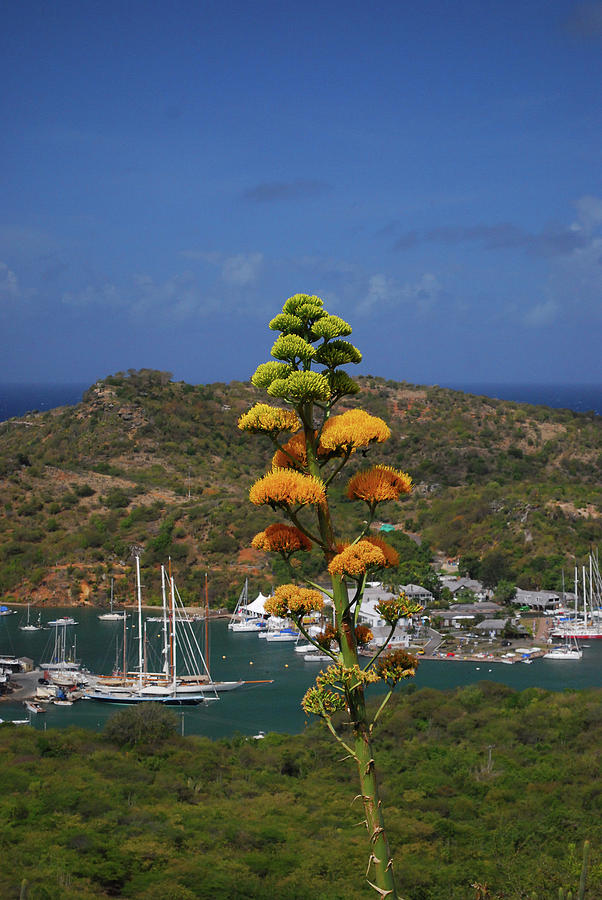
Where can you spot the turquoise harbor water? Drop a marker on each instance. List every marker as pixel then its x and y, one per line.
pixel 255 707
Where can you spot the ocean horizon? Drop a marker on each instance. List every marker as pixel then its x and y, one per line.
pixel 18 399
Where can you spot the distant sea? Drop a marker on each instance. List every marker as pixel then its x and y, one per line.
pixel 578 397
pixel 18 399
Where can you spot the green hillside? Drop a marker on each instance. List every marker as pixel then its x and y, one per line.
pixel 145 461
pixel 484 785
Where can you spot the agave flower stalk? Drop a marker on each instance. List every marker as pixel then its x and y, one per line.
pixel 303 468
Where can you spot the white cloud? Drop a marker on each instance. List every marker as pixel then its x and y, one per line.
pixel 543 313
pixel 179 296
pixel 238 270
pixel 242 269
pixel 9 284
pixel 11 290
pixel 589 209
pixel 386 291
pixel 107 295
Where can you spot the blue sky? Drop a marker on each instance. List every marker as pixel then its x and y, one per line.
pixel 172 172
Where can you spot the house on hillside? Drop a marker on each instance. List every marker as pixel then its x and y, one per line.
pixel 418 593
pixel 455 584
pixel 492 627
pixel 537 600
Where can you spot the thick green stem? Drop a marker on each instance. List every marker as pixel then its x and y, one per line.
pixel 380 866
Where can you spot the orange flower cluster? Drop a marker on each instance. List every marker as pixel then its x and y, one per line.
pixel 363 635
pixel 378 484
pixel 396 666
pixel 268 419
pixel 326 637
pixel 291 600
pixel 357 559
pixel 280 538
pixel 391 555
pixel 353 429
pixel 285 488
pixel 294 447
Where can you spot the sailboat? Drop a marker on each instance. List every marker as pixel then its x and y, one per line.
pixel 568 650
pixel 184 676
pixel 112 616
pixel 242 619
pixel 203 680
pixel 29 626
pixel 587 622
pixel 62 667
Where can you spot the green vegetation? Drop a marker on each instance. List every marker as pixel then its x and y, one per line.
pixel 484 786
pixel 490 476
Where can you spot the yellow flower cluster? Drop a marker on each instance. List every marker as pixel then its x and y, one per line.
pixel 291 600
pixel 391 555
pixel 280 538
pixel 285 488
pixel 399 608
pixel 320 702
pixel 378 484
pixel 353 429
pixel 346 677
pixel 355 560
pixel 268 419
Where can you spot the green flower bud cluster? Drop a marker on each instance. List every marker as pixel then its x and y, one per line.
pixel 301 387
pixel 330 327
pixel 305 306
pixel 291 347
pixel 338 353
pixel 287 323
pixel 268 372
pixel 341 384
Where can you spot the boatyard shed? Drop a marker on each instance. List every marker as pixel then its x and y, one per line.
pixel 462 611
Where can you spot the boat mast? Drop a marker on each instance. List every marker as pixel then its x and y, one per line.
pixel 173 614
pixel 172 624
pixel 165 631
pixel 124 646
pixel 206 624
pixel 591 589
pixel 140 659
